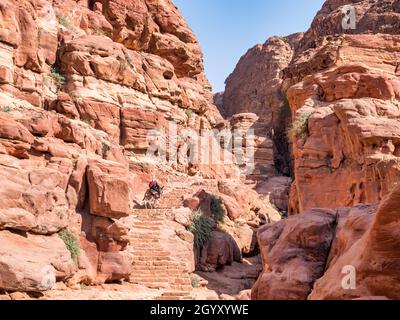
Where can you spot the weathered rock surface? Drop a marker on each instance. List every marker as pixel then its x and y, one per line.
pixel 348 148
pixel 356 257
pixel 82 84
pixel 255 87
pixel 294 253
pixel 371 249
pixel 342 89
pixel 34 262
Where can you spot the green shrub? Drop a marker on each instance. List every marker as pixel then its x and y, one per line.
pixel 299 127
pixel 39 34
pixel 99 32
pixel 71 243
pixel 63 20
pixel 195 282
pixel 189 113
pixel 6 109
pixel 201 227
pixel 58 77
pixel 217 209
pixel 128 57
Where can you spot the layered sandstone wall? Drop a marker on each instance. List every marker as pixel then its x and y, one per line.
pixel 308 88
pixel 343 93
pixel 342 87
pixel 255 87
pixel 82 83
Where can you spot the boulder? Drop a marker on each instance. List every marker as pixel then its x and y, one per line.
pixel 33 195
pixel 109 189
pixel 33 262
pixel 294 253
pixel 115 266
pixel 366 250
pixel 221 249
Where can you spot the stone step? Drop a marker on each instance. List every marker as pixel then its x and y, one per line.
pixel 144 237
pixel 140 258
pixel 176 294
pixel 162 271
pixel 147 226
pixel 170 265
pixel 181 287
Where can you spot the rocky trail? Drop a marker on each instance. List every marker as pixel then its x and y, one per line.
pixel 89 88
pixel 152 265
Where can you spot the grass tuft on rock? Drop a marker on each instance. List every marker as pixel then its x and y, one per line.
pixel 217 209
pixel 299 128
pixel 64 21
pixel 201 227
pixel 71 243
pixel 195 282
pixel 58 78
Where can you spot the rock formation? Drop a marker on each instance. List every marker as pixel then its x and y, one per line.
pixel 89 88
pixel 84 85
pixel 334 93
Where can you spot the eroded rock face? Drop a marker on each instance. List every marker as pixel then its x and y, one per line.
pixel 255 86
pixel 109 189
pixel 294 253
pixel 341 97
pixel 342 92
pixel 348 146
pixel 82 84
pixel 371 249
pixel 337 85
pixel 262 64
pixel 33 263
pixel 348 253
pixel 372 17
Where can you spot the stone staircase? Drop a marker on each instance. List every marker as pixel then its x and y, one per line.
pixel 153 266
pixel 173 198
pixel 177 191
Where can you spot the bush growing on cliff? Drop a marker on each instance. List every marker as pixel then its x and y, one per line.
pixel 217 209
pixel 299 128
pixel 71 243
pixel 195 282
pixel 190 114
pixel 128 57
pixel 58 78
pixel 63 21
pixel 201 227
pixel 99 32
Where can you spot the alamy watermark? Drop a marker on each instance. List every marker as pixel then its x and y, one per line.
pixel 349 281
pixel 349 21
pixel 209 147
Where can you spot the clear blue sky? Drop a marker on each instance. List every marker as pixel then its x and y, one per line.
pixel 226 29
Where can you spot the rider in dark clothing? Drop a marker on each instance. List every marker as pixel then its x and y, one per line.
pixel 154 186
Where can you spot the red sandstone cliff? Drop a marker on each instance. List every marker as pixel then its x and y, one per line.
pixel 81 85
pixel 83 82
pixel 342 88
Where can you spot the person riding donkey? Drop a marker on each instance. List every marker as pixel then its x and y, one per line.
pixel 153 194
pixel 155 188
